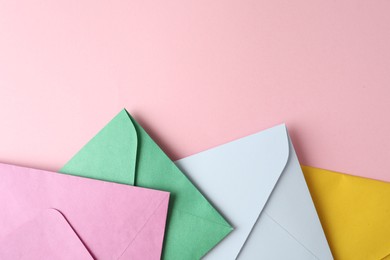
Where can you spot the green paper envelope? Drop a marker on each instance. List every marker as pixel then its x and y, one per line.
pixel 123 152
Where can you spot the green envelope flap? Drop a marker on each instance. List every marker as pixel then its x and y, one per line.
pixel 209 233
pixel 123 148
pixel 110 155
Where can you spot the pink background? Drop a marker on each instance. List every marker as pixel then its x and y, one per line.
pixel 197 74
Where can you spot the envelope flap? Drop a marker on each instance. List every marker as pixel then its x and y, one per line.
pixel 106 216
pixel 111 155
pixel 154 169
pixel 291 208
pixel 239 177
pixel 47 236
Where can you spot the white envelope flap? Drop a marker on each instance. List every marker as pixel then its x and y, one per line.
pixel 238 177
pixel 288 227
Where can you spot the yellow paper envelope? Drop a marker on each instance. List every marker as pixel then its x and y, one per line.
pixel 354 212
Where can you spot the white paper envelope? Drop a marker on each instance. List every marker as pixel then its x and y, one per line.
pixel 257 183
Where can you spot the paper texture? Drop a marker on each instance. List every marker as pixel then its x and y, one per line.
pixel 354 211
pixel 47 236
pixel 123 152
pixel 256 181
pixel 113 221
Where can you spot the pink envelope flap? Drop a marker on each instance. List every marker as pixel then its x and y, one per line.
pixel 112 220
pixel 47 236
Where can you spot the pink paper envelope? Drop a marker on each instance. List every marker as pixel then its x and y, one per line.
pixel 47 236
pixel 113 221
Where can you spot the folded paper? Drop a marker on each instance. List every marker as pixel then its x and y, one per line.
pixel 123 152
pixel 354 211
pixel 257 183
pixel 45 237
pixel 113 221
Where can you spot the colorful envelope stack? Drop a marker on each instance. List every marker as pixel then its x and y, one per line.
pixel 121 197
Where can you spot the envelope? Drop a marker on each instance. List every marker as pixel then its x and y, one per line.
pixel 113 221
pixel 46 236
pixel 354 211
pixel 257 183
pixel 123 152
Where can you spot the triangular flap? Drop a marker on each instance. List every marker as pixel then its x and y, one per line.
pixel 111 155
pixel 156 171
pixel 106 216
pixel 291 206
pixel 46 236
pixel 239 177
